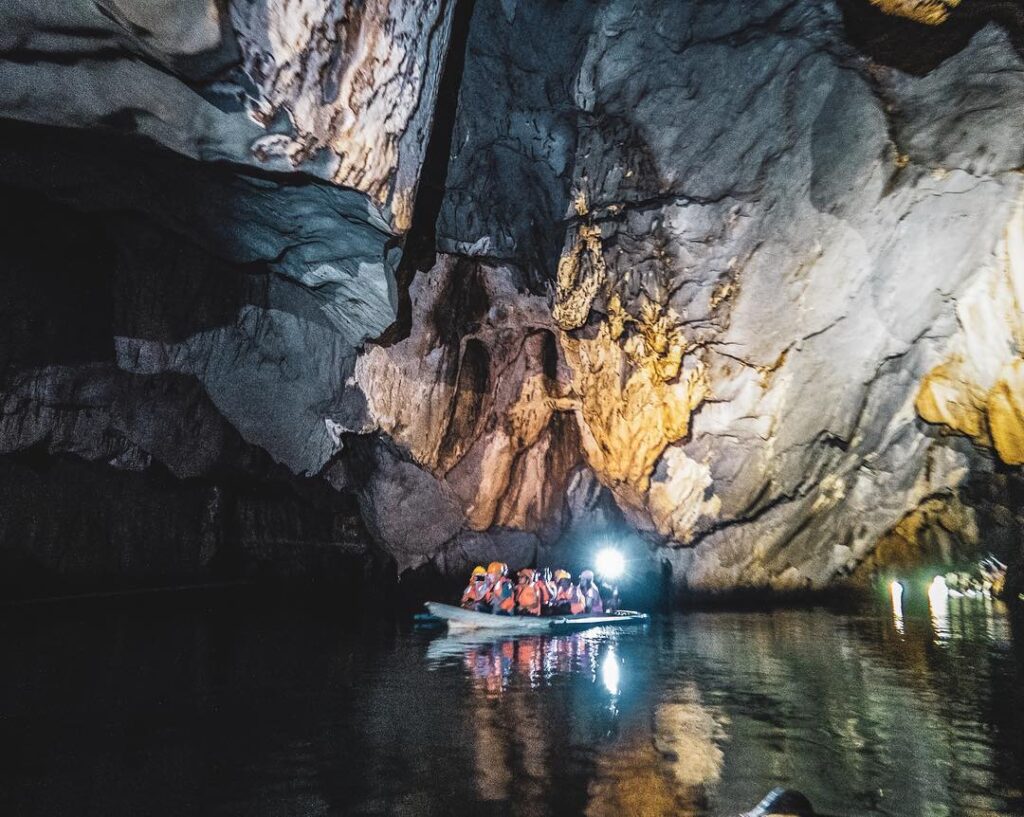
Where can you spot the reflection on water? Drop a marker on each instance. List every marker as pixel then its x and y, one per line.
pixel 610 672
pixel 896 595
pixel 938 603
pixel 492 662
pixel 247 712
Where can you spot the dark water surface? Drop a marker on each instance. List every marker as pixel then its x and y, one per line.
pixel 248 711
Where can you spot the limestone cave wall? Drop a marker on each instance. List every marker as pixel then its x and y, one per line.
pixel 291 285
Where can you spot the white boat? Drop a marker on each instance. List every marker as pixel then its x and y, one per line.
pixel 459 620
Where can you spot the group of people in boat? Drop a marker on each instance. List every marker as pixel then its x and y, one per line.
pixel 535 592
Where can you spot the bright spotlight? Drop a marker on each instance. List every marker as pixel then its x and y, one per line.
pixel 610 563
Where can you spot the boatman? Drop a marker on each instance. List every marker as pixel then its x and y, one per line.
pixel 475 593
pixel 500 593
pixel 591 595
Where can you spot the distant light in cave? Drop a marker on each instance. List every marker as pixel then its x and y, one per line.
pixel 896 594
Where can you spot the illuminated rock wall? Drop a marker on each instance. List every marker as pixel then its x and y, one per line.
pixel 741 278
pixel 758 221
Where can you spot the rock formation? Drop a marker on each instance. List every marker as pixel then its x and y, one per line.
pixel 740 280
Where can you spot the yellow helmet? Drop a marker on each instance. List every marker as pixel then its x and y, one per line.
pixel 562 574
pixel 479 571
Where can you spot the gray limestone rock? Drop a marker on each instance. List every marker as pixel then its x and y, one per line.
pixel 408 511
pixel 344 91
pixel 772 220
pixel 465 551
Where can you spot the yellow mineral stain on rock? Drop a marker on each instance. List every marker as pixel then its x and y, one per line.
pixel 581 271
pixel 723 292
pixel 628 414
pixel 917 538
pixel 657 342
pixel 677 503
pixel 945 399
pixel 979 390
pixel 402 203
pixel 630 391
pixel 929 12
pixel 1005 410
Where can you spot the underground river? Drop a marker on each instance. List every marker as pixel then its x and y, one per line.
pixel 242 709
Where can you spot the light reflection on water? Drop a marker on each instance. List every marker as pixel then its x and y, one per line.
pixel 281 713
pixel 611 675
pixel 938 604
pixel 896 595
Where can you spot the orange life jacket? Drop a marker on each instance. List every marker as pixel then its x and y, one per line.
pixel 573 596
pixel 528 599
pixel 503 593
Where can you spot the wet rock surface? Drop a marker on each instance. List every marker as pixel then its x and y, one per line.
pixel 739 278
pixel 342 91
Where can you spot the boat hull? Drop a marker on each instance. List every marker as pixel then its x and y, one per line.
pixel 463 620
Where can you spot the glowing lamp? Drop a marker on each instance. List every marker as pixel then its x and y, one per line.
pixel 610 563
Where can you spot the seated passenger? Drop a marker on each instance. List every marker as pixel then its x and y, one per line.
pixel 591 594
pixel 530 593
pixel 500 593
pixel 568 599
pixel 610 597
pixel 545 588
pixel 476 591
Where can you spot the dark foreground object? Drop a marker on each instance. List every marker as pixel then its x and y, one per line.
pixel 780 802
